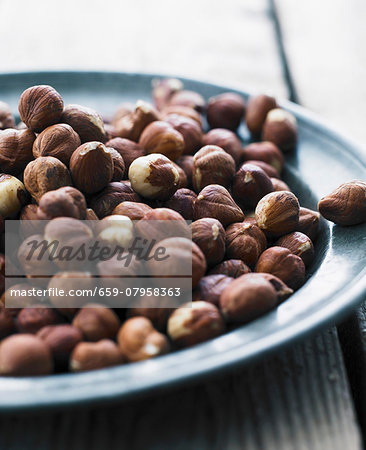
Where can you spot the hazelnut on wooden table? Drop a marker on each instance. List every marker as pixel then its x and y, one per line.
pixel 15 150
pixel 6 116
pixel 13 195
pixel 95 355
pixel 280 127
pixel 227 140
pixel 257 109
pixel 85 121
pixel 225 111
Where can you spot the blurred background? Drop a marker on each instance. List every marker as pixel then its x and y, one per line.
pixel 312 52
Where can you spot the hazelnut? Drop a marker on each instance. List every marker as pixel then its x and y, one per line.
pixel 15 150
pixel 194 323
pixel 63 202
pixel 184 111
pixel 280 127
pixel 279 185
pixel 186 163
pixel 183 182
pixel 299 244
pixel 257 109
pixel 61 339
pixel 251 183
pixel 154 176
pixel 97 322
pixel 191 99
pixel 129 150
pixel 44 174
pixel 106 200
pixel 40 107
pixel 116 230
pixel 309 223
pixel 133 210
pixel 58 141
pixel 133 124
pixel 158 316
pixel 278 213
pixel 161 223
pixel 12 194
pixel 189 129
pixel 279 261
pixel 245 241
pixel 138 340
pixel 212 165
pixel 282 290
pixel 346 205
pixel 247 298
pixel 225 111
pixel 17 299
pixel 6 323
pixel 232 268
pixel 267 168
pixel 86 122
pixel 185 258
pixel 163 89
pixel 161 137
pixel 182 202
pixel 32 319
pixel 215 201
pixel 95 355
pixel 225 139
pixel 90 214
pixel 122 110
pixel 69 281
pixel 266 152
pixel 209 235
pixel 6 116
pixel 25 355
pixel 210 288
pixel 118 165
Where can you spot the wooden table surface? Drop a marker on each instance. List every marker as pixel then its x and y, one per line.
pixel 309 396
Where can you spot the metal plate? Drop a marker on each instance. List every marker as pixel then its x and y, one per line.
pixel 322 161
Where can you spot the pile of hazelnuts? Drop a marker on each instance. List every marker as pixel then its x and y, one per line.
pixel 178 158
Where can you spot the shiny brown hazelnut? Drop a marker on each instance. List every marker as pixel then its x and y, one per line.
pixel 97 322
pixel 122 110
pixel 69 282
pixel 346 205
pixel 25 355
pixel 86 122
pixel 280 127
pixel 132 125
pixel 225 111
pixel 90 214
pixel 210 288
pixel 95 355
pixel 282 290
pixel 245 241
pixel 191 99
pixel 299 244
pixel 194 323
pixel 232 268
pixel 182 202
pixel 209 235
pixel 279 185
pixel 279 261
pixel 58 141
pixel 12 194
pixel 184 111
pixel 65 201
pixel 183 182
pixel 215 201
pixel 189 129
pixel 225 139
pixel 160 137
pixel 104 202
pixel 277 213
pixel 91 167
pixel 267 168
pixel 6 116
pixel 118 165
pixel 133 210
pixel 247 298
pixel 44 174
pixel 15 150
pixel 257 109
pixel 139 340
pixel 309 223
pixel 32 319
pixel 7 324
pixel 251 183
pixel 154 177
pixel 163 89
pixel 61 340
pixel 129 150
pixel 40 107
pixel 186 163
pixel 212 165
pixel 158 316
pixel 266 152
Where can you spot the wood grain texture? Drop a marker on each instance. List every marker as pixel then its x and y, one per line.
pixel 298 399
